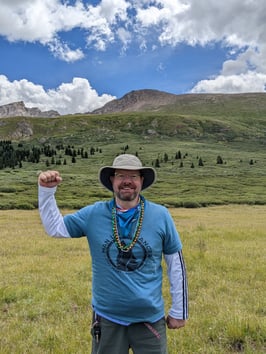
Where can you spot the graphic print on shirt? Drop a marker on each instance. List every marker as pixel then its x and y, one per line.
pixel 127 261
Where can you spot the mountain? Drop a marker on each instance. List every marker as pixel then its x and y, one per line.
pixel 210 104
pixel 140 100
pixel 18 109
pixel 148 100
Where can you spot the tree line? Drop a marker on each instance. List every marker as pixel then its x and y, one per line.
pixel 12 156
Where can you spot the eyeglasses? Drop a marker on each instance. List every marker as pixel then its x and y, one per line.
pixel 121 177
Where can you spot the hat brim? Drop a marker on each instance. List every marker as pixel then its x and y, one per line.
pixel 106 172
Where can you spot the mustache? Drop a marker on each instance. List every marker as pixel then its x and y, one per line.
pixel 127 184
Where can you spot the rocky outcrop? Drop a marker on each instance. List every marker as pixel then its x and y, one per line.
pixel 18 109
pixel 23 130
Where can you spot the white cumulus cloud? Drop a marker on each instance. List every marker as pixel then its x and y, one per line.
pixel 245 73
pixel 237 25
pixel 248 82
pixel 43 21
pixel 74 97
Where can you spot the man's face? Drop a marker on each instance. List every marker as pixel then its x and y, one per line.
pixel 127 184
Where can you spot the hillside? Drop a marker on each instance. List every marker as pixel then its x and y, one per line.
pixel 154 101
pixel 207 149
pixel 150 113
pixel 136 101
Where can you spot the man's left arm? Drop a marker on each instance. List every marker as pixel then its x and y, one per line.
pixel 176 270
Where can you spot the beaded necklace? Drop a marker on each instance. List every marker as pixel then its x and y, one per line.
pixel 119 244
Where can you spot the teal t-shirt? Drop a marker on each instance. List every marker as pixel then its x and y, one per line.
pixel 126 286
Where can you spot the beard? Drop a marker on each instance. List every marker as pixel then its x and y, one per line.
pixel 127 195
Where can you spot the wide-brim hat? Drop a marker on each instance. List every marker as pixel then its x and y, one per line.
pixel 127 162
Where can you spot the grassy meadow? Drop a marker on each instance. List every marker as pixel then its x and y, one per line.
pixel 219 210
pixel 236 181
pixel 45 284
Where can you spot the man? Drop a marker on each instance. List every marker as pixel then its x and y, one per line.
pixel 127 237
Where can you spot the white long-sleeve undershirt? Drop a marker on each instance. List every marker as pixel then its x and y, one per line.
pixel 178 285
pixel 51 216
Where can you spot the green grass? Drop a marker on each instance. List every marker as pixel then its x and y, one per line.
pixel 46 284
pixel 200 126
pixel 236 181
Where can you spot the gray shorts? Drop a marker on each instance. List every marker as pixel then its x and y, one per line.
pixel 142 338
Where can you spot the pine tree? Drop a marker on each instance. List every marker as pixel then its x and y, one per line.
pixel 157 163
pixel 178 155
pixel 219 160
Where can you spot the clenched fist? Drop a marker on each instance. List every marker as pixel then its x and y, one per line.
pixel 173 323
pixel 49 179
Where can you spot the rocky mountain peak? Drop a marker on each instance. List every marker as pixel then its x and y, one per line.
pixel 140 100
pixel 18 109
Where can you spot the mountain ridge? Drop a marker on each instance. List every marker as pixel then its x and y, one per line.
pixel 137 100
pixel 149 100
pixel 154 100
pixel 18 109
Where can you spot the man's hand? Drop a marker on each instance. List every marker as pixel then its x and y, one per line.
pixel 49 179
pixel 173 323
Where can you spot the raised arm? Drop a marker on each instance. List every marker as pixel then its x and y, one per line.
pixel 50 215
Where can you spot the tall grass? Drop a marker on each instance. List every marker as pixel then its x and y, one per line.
pixel 46 284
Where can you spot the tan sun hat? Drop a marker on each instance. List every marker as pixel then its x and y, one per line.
pixel 127 162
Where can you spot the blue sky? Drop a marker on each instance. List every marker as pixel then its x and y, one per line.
pixel 74 56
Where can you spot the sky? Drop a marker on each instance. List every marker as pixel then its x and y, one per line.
pixel 75 56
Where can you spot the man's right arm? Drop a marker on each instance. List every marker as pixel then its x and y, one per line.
pixel 51 217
